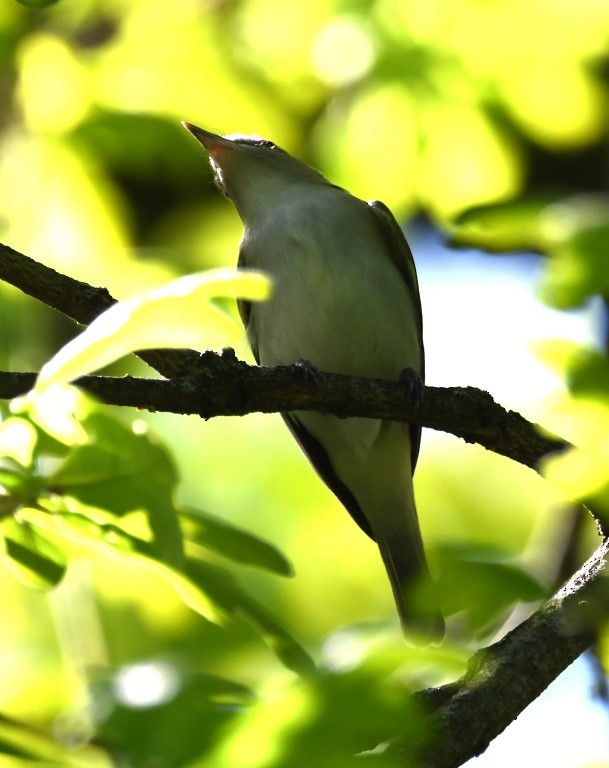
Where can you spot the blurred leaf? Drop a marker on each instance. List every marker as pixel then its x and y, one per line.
pixel 31 556
pixel 18 440
pixel 59 203
pixel 17 479
pixel 325 720
pixel 577 268
pixel 588 374
pixel 501 227
pixel 33 747
pixel 121 471
pixel 216 585
pixel 173 316
pixel 483 584
pixel 8 505
pixel 54 89
pixel 345 136
pixel 37 3
pixel 582 416
pixel 585 370
pixel 478 163
pixel 57 416
pixel 127 141
pixel 112 537
pixel 572 231
pixel 155 708
pixel 226 592
pixel 219 536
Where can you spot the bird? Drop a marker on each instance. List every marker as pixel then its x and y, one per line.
pixel 345 300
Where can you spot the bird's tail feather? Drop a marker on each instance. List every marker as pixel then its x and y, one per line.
pixel 413 588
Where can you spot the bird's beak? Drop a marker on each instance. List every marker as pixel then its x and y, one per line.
pixel 212 142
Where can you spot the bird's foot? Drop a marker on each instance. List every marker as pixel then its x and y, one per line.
pixel 413 384
pixel 311 372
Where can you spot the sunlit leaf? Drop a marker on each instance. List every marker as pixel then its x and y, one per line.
pixel 54 90
pixel 345 136
pixel 31 556
pixel 14 477
pixel 112 537
pixel 177 315
pixel 582 416
pixel 226 591
pixel 37 3
pixel 18 440
pixel 324 721
pixel 59 203
pixel 215 534
pixel 30 746
pixel 582 473
pixel 467 158
pixel 121 471
pixel 58 415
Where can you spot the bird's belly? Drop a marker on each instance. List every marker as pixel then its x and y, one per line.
pixel 340 303
pixel 350 315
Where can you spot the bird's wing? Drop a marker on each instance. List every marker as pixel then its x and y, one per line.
pixel 320 461
pixel 245 311
pixel 401 256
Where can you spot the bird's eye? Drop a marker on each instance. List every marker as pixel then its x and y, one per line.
pixel 267 144
pixel 255 141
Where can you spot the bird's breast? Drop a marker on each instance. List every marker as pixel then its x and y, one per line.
pixel 338 299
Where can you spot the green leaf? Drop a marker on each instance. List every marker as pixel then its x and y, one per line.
pixel 217 535
pixel 27 743
pixel 227 593
pixel 159 710
pixel 37 3
pixel 122 470
pixel 512 226
pixel 483 584
pixel 177 315
pixel 577 268
pixel 34 559
pixel 111 537
pixel 18 440
pixel 114 539
pixel 14 477
pixel 324 721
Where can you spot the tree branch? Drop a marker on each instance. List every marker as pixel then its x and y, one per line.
pixel 216 385
pixel 503 679
pixel 221 385
pixel 81 302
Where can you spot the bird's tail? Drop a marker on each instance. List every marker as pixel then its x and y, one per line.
pixel 399 541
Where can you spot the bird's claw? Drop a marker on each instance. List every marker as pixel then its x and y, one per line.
pixel 413 384
pixel 311 372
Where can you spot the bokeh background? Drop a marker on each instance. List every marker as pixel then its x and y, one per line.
pixel 480 124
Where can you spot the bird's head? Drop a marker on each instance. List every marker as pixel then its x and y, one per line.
pixel 252 172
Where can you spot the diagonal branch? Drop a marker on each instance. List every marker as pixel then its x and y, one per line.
pixel 81 302
pixel 503 679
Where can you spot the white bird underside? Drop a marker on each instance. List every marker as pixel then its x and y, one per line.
pixel 350 313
